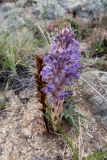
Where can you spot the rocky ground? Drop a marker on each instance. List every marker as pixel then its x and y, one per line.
pixel 19 126
pixel 18 13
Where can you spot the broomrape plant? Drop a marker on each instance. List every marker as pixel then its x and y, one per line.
pixel 60 68
pixel 55 75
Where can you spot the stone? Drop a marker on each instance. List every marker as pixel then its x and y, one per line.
pixel 85 9
pixel 94 85
pixel 23 3
pixel 6 7
pixel 104 121
pixel 69 5
pixel 47 9
pixel 15 15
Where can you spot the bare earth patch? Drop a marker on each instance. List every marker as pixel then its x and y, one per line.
pixel 19 138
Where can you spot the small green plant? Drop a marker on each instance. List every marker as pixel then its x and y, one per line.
pixel 10 62
pixel 86 32
pixel 2 106
pixel 14 48
pixel 98 155
pixel 71 116
pixel 98 46
pixel 80 28
pixel 2 101
pixel 76 28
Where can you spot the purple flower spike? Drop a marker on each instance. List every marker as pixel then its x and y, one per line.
pixel 61 65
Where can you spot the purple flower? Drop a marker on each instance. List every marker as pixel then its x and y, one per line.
pixel 61 65
pixel 65 94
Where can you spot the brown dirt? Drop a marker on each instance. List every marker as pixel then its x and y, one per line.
pixel 19 138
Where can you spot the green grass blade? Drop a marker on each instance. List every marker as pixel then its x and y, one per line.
pixel 98 155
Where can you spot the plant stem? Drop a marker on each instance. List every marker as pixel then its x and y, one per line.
pixel 69 141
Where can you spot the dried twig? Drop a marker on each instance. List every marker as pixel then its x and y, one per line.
pixel 40 84
pixel 94 89
pixel 80 140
